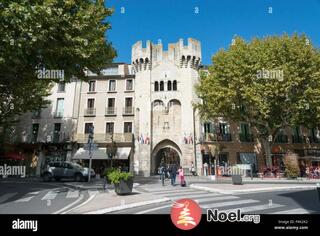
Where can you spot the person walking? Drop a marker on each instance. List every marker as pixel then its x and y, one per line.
pixel 181 175
pixel 173 173
pixel 162 172
pixel 192 169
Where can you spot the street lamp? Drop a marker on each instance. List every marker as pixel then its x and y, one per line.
pixel 111 149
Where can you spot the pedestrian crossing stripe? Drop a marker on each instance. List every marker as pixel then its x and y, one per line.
pixel 194 195
pixel 73 194
pixel 50 196
pixel 26 199
pixel 229 203
pixel 293 211
pixel 256 208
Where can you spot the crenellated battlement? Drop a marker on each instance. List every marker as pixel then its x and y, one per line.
pixel 185 56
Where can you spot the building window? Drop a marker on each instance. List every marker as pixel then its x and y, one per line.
pixel 111 106
pixel 92 86
pixel 128 107
pixel 156 86
pixel 129 84
pixel 87 127
pixel 112 85
pixel 56 132
pixel 161 85
pixel 169 85
pixel 109 127
pixel 90 103
pixel 61 87
pixel 59 108
pixel 35 130
pixel 174 85
pixel 127 127
pixel 90 111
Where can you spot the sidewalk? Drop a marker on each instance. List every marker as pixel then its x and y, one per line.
pixel 108 202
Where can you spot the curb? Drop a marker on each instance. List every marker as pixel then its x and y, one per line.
pixel 249 190
pixel 127 206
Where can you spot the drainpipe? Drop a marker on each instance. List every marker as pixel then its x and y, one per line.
pixel 194 141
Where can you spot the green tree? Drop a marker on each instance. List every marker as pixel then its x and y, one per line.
pixel 65 35
pixel 271 83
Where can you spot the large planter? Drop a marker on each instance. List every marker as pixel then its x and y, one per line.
pixel 237 179
pixel 124 186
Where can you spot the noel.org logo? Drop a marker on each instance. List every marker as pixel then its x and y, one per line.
pixel 185 214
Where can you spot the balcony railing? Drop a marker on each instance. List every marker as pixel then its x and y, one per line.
pixel 246 137
pixel 128 111
pixel 90 112
pixel 314 139
pixel 111 111
pixel 213 137
pixel 281 138
pixel 58 114
pixel 106 138
pixel 297 139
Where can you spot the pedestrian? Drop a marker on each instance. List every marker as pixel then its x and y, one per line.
pixel 173 173
pixel 162 172
pixel 181 175
pixel 192 169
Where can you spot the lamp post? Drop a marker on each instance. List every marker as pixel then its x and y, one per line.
pixel 111 149
pixel 90 142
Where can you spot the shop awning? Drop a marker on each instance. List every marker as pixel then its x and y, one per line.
pixel 101 154
pixel 313 158
pixel 12 156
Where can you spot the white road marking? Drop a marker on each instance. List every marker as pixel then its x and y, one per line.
pixel 93 192
pixel 50 196
pixel 256 208
pixel 230 203
pixel 73 194
pixel 293 211
pixel 68 206
pixel 153 209
pixel 26 199
pixel 7 196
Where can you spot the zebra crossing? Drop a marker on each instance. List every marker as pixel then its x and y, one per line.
pixel 68 194
pixel 211 200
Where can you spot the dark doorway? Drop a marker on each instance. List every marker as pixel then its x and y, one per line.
pixel 168 155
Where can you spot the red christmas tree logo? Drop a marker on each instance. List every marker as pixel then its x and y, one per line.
pixel 185 214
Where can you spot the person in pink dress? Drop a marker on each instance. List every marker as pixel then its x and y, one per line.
pixel 181 175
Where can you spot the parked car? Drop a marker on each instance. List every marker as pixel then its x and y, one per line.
pixel 62 170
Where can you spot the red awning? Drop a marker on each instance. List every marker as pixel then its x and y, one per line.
pixel 12 156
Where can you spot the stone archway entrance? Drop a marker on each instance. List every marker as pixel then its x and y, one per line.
pixel 167 151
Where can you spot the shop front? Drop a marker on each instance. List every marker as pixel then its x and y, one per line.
pixel 101 161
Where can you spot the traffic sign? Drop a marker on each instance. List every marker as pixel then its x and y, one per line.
pixel 94 146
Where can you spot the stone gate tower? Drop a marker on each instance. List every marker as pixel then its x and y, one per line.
pixel 166 127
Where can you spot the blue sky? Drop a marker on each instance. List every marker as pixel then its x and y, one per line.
pixel 214 25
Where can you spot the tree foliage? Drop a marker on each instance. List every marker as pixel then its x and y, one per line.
pixel 66 35
pixel 271 83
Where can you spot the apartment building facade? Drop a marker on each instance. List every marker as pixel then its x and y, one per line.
pixel 106 102
pixel 46 135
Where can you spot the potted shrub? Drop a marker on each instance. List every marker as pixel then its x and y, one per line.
pixel 107 172
pixel 292 169
pixel 123 181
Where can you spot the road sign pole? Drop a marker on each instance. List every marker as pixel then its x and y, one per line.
pixel 90 162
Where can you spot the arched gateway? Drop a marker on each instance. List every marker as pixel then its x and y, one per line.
pixel 166 150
